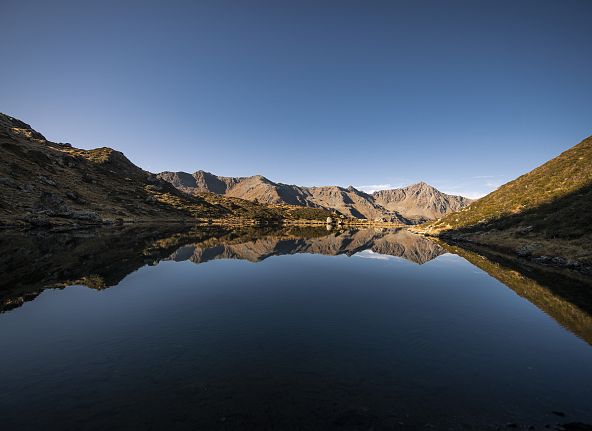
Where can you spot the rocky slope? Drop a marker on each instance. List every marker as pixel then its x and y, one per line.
pixel 413 204
pixel 44 183
pixel 544 215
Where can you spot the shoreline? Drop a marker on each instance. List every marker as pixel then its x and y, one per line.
pixel 66 224
pixel 518 253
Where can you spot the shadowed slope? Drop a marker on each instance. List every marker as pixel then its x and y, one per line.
pixel 545 214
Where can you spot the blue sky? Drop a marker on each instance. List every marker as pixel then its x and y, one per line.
pixel 463 95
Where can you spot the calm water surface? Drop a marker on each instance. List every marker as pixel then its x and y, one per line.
pixel 283 330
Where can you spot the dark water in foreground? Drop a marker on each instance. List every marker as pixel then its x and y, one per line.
pixel 284 330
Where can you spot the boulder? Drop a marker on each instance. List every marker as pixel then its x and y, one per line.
pixel 47 181
pixel 526 250
pixel 51 204
pixel 87 216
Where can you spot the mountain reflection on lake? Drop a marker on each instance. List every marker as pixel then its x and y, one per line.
pixel 284 329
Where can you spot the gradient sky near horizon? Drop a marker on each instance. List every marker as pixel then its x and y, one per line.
pixel 465 95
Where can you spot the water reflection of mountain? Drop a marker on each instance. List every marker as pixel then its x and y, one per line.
pixel 564 295
pixel 97 258
pixel 399 243
pixel 31 262
pixel 100 258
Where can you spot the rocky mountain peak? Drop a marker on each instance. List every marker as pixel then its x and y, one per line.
pixel 415 203
pixel 422 187
pixel 420 201
pixel 18 128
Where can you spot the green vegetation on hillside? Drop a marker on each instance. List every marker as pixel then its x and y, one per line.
pixel 553 198
pixel 544 213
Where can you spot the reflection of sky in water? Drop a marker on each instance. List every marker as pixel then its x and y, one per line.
pixel 369 254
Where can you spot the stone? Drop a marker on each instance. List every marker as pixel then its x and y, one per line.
pixel 73 196
pixel 4 181
pixel 88 178
pixel 525 250
pixel 52 205
pixel 559 261
pixel 523 230
pixel 154 187
pixel 87 216
pixel 47 181
pixel 26 188
pixel 37 220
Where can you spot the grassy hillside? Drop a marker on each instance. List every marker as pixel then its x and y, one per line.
pixel 546 212
pixel 48 184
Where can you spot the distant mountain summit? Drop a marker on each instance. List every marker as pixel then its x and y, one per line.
pixel 413 204
pixel 420 201
pixel 200 181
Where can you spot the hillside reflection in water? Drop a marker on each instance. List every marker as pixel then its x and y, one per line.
pixel 353 329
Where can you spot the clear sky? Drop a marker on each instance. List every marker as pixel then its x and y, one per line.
pixel 465 95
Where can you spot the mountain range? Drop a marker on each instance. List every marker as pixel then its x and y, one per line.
pixel 544 215
pixel 408 205
pixel 398 243
pixel 46 183
pixel 56 185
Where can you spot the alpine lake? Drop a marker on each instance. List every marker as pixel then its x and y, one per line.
pixel 193 328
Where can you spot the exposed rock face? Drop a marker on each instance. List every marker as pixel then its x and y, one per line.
pixel 420 202
pixel 180 180
pixel 351 202
pixel 207 182
pixel 413 204
pixel 259 189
